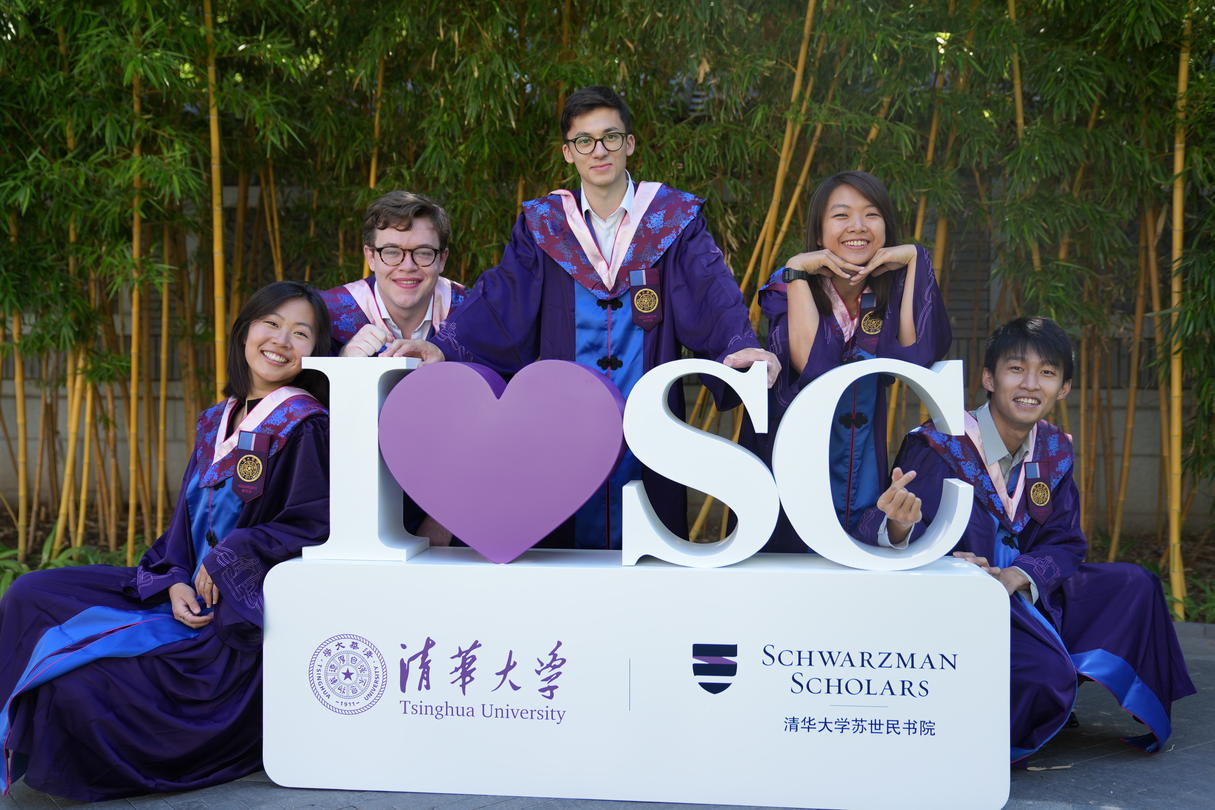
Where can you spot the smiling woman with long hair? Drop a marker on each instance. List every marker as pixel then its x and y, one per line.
pixel 121 681
pixel 856 293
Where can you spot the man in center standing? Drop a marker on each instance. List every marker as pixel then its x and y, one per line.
pixel 616 277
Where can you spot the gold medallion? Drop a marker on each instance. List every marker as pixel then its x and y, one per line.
pixel 871 324
pixel 646 300
pixel 1039 493
pixel 249 468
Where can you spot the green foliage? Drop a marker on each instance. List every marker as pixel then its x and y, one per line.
pixel 1200 601
pixel 468 114
pixel 11 568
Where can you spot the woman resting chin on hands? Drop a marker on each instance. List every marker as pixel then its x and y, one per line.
pixel 857 292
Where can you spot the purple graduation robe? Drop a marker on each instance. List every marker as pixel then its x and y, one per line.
pixel 523 310
pixel 105 693
pixel 859 472
pixel 1104 621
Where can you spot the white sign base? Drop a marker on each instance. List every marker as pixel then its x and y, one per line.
pixel 848 688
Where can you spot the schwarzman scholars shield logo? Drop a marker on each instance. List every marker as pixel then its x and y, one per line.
pixel 714 666
pixel 348 674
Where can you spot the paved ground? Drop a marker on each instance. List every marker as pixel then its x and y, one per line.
pixel 1082 767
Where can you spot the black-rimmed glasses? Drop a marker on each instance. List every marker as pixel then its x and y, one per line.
pixel 392 255
pixel 585 144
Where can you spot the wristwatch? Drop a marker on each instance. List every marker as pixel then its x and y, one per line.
pixel 788 274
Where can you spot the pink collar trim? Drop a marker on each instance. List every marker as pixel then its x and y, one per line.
pixel 1013 502
pixel 252 419
pixel 608 270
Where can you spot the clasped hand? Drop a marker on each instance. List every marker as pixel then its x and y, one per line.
pixel 368 342
pixel 184 599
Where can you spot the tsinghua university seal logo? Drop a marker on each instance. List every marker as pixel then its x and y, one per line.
pixel 348 674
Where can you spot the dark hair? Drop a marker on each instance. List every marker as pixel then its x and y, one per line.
pixel 263 302
pixel 1041 335
pixel 398 209
pixel 873 190
pixel 590 98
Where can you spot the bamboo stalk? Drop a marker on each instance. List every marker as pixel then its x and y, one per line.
pixel 802 178
pixel 1107 440
pixel 792 126
pixel 82 508
pixel 375 136
pixel 23 516
pixel 43 419
pixel 190 368
pixel 148 437
pixel 8 439
pixel 238 235
pixel 375 125
pixel 272 224
pixel 1128 430
pixel 75 362
pixel 101 500
pixel 23 483
pixel 112 469
pixel 1176 567
pixel 316 196
pixel 217 207
pixel 1081 447
pixel 255 241
pixel 1019 111
pixel 136 342
pixel 163 391
pixel 1096 366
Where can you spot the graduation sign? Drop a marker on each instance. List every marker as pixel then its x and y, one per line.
pixel 680 672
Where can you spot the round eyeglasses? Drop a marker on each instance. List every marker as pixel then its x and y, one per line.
pixel 392 255
pixel 585 144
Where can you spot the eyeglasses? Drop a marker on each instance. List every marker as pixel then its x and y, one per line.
pixel 392 255
pixel 585 144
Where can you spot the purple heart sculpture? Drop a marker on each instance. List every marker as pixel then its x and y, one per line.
pixel 501 466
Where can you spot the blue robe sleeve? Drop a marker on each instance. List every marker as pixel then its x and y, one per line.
pixel 711 318
pixel 497 323
pixel 171 558
pixel 292 512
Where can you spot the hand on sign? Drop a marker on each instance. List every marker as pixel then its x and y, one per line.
pixel 185 607
pixel 743 359
pixel 1013 579
pixel 901 506
pixel 424 350
pixel 824 263
pixel 979 561
pixel 205 587
pixel 887 258
pixel 366 342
